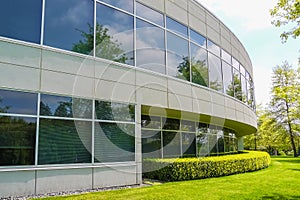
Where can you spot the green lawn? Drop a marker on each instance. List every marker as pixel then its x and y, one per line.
pixel 280 181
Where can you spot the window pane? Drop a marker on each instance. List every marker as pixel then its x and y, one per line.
pixel 237 85
pixel 125 5
pixel 151 144
pixel 213 48
pixel 114 37
pixel 114 142
pixel 17 140
pixel 215 72
pixel 178 60
pixel 187 126
pixel 64 141
pixel 235 64
pixel 177 27
pixel 213 144
pixel 220 138
pixel 150 45
pixel 114 111
pixel 227 79
pixel 151 122
pixel 171 144
pixel 197 38
pixel 149 14
pixel 242 70
pixel 199 65
pixel 18 102
pixel 188 144
pixel 69 25
pixel 244 89
pixel 226 56
pixel 21 20
pixel 170 124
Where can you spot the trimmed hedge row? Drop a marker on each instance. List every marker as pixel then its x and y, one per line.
pixel 198 168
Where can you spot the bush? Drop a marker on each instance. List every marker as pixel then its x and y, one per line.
pixel 198 168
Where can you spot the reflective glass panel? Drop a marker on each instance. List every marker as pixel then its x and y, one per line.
pixel 114 35
pixel 235 64
pixel 17 140
pixel 242 70
pixel 188 141
pixel 21 20
pixel 64 141
pixel 126 5
pixel 171 144
pixel 199 65
pixel 150 45
pixel 227 79
pixel 114 111
pixel 18 102
pixel 202 140
pixel 213 144
pixel 215 73
pixel 151 122
pixel 237 85
pixel 149 14
pixel 213 48
pixel 244 89
pixel 69 25
pixel 220 138
pixel 170 124
pixel 197 38
pixel 114 142
pixel 226 56
pixel 151 144
pixel 177 27
pixel 177 57
pixel 187 126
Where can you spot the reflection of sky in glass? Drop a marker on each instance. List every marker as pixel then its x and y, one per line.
pixel 21 20
pixel 177 27
pixel 235 64
pixel 53 102
pixel 149 14
pixel 215 72
pixel 19 102
pixel 227 76
pixel 64 19
pixel 226 56
pixel 198 53
pixel 242 70
pixel 126 5
pixel 212 47
pixel 197 38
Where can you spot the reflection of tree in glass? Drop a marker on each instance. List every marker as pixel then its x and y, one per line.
pixel 199 72
pixel 45 109
pixel 64 109
pixel 216 85
pixel 184 69
pixel 3 109
pixel 235 88
pixel 105 46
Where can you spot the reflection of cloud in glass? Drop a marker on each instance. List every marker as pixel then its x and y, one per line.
pixel 213 48
pixel 150 37
pixel 149 14
pixel 74 15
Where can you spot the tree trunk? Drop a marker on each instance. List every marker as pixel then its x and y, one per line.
pixel 293 143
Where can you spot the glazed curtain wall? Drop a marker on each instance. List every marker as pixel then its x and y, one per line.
pixel 43 129
pixel 131 33
pixel 172 138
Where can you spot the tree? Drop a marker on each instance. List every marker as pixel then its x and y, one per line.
pixel 287 12
pixel 284 104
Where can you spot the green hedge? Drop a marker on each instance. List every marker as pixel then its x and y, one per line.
pixel 199 168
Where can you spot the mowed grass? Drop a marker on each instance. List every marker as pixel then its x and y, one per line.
pixel 280 181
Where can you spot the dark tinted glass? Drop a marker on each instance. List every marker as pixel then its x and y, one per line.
pixel 69 25
pixel 227 79
pixel 199 65
pixel 177 27
pixel 197 38
pixel 171 144
pixel 150 45
pixel 114 142
pixel 151 122
pixel 171 124
pixel 213 144
pixel 114 39
pixel 202 144
pixel 65 106
pixel 212 47
pixel 126 5
pixel 220 138
pixel 114 111
pixel 188 144
pixel 177 54
pixel 21 20
pixel 215 73
pixel 151 144
pixel 18 102
pixel 149 14
pixel 187 126
pixel 17 140
pixel 64 141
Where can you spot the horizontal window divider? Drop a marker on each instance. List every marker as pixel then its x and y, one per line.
pixel 16 115
pixel 114 122
pixel 171 31
pixel 150 22
pixel 116 8
pixel 65 118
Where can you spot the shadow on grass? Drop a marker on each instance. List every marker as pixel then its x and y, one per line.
pixel 289 160
pixel 280 197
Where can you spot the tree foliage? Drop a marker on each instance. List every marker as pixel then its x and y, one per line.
pixel 287 12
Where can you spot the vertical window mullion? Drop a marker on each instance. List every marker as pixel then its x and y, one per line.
pixel 37 130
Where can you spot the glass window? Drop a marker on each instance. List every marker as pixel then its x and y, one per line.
pixel 65 106
pixel 114 111
pixel 149 14
pixel 202 140
pixel 237 85
pixel 197 38
pixel 171 144
pixel 150 45
pixel 151 144
pixel 227 79
pixel 151 122
pixel 125 5
pixel 188 144
pixel 170 124
pixel 114 35
pixel 244 89
pixel 177 27
pixel 213 48
pixel 114 142
pixel 64 141
pixel 187 126
pixel 17 140
pixel 215 73
pixel 213 144
pixel 177 57
pixel 220 139
pixel 18 102
pixel 235 64
pixel 21 20
pixel 226 56
pixel 199 65
pixel 69 25
pixel 242 70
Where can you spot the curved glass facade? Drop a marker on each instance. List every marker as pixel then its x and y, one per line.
pixel 131 33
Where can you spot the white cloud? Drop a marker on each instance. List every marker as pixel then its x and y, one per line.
pixel 262 83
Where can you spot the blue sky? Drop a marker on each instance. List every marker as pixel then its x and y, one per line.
pixel 250 21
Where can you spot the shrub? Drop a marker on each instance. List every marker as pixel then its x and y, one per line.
pixel 198 168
